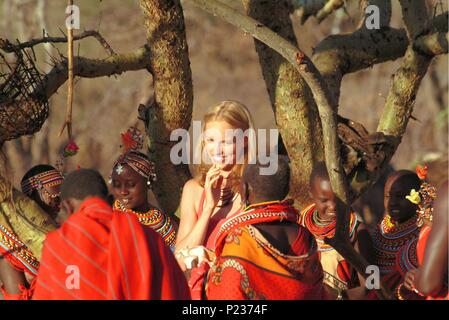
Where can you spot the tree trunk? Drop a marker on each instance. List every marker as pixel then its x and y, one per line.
pixel 173 95
pixel 291 99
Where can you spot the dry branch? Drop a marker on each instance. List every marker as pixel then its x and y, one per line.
pixel 93 68
pixel 329 8
pixel 432 44
pixel 402 94
pixel 338 55
pixel 68 119
pixel 7 46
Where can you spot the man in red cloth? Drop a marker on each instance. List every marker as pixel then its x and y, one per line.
pixel 262 253
pixel 100 254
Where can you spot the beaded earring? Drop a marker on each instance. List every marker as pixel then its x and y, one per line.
pixel 424 197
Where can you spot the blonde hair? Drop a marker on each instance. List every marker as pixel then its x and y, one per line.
pixel 237 115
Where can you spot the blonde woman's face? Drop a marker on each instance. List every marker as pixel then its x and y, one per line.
pixel 220 143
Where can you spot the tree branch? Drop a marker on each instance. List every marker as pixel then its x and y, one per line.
pixel 328 9
pixel 415 16
pixel 432 44
pixel 402 94
pixel 92 68
pixel 338 55
pixel 9 47
pixel 292 102
pixel 307 8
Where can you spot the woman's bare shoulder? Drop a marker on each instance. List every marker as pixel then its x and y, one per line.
pixel 192 186
pixel 191 193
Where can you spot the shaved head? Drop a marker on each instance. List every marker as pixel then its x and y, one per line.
pixel 82 184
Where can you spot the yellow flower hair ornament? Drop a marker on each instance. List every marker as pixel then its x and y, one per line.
pixel 414 197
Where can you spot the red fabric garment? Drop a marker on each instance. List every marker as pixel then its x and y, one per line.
pixel 113 257
pixel 421 247
pixel 249 267
pixel 197 275
pixel 25 293
pixel 13 250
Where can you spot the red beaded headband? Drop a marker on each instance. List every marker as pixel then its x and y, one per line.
pixel 138 163
pixel 45 179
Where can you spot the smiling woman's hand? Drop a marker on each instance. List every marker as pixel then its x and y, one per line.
pixel 211 189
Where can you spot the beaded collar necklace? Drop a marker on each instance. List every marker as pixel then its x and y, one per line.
pixel 322 230
pixel 151 217
pixel 393 231
pixel 155 219
pixel 258 213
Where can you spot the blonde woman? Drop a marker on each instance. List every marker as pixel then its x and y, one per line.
pixel 214 195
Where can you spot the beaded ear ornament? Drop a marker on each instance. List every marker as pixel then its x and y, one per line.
pixel 424 197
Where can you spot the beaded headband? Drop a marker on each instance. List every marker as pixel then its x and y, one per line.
pixel 139 163
pixel 48 178
pixel 424 197
pixel 132 140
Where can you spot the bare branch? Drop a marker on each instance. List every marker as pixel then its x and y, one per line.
pixel 68 119
pixel 7 46
pixel 92 68
pixel 402 94
pixel 306 8
pixel 329 8
pixel 433 44
pixel 338 55
pixel 415 15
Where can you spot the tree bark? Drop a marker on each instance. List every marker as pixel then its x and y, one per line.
pixel 402 94
pixel 295 110
pixel 93 68
pixel 173 95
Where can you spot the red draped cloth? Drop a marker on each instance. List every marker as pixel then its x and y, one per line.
pixel 421 247
pixel 101 254
pixel 247 265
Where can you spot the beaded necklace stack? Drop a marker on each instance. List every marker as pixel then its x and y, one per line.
pixel 389 238
pixel 155 219
pixel 227 195
pixel 322 230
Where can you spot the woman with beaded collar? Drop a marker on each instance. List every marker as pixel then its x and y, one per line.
pixel 214 195
pixel 132 176
pixel 395 238
pixel 25 219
